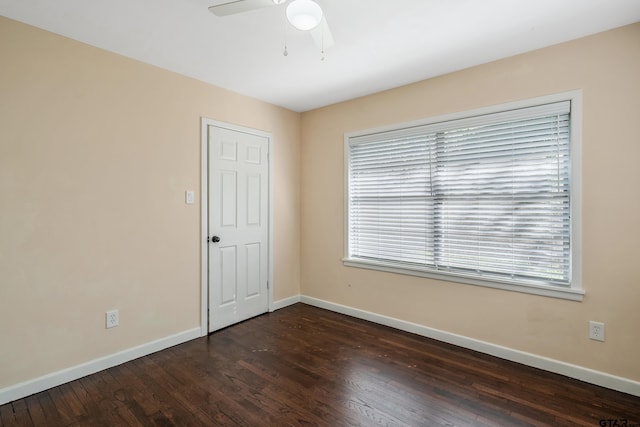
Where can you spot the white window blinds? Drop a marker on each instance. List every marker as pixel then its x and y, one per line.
pixel 485 196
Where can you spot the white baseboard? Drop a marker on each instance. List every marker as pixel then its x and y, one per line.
pixel 573 371
pixel 54 379
pixel 277 305
pixel 27 388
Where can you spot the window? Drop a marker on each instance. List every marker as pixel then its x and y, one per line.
pixel 486 198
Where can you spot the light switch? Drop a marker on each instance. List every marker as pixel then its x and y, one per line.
pixel 189 197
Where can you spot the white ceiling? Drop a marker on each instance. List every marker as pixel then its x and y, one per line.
pixel 379 44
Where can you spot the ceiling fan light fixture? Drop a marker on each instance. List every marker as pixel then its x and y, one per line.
pixel 304 14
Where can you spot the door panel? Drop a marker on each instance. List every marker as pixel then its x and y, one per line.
pixel 253 200
pixel 238 207
pixel 228 283
pixel 228 198
pixel 253 269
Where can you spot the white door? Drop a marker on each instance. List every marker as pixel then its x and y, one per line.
pixel 238 226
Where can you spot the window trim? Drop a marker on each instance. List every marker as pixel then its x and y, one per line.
pixel 575 291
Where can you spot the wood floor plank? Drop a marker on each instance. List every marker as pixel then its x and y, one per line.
pixel 304 366
pixel 150 403
pixel 100 398
pixel 49 408
pixel 61 406
pixel 21 413
pixel 36 413
pixel 170 392
pixel 7 417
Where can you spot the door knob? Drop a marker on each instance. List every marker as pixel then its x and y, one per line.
pixel 215 239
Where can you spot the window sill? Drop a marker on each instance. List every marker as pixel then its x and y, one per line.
pixel 535 289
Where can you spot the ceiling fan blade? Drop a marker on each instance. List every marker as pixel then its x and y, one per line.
pixel 322 36
pixel 226 7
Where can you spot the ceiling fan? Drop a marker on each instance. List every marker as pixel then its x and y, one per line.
pixel 305 15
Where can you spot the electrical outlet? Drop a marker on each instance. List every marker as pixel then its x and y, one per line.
pixel 596 330
pixel 113 319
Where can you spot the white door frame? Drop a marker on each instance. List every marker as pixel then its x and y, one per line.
pixel 204 214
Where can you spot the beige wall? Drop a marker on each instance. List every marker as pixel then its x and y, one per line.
pixel 607 68
pixel 96 151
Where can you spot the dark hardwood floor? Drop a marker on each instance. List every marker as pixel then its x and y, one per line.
pixel 303 366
